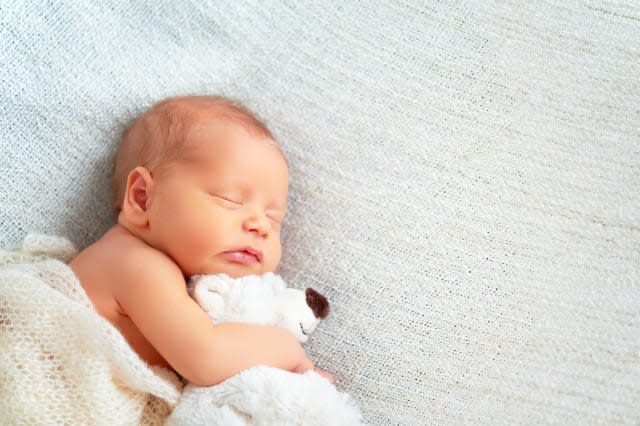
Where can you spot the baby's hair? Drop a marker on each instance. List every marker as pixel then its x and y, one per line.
pixel 158 135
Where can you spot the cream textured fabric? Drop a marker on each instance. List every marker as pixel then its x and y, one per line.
pixel 61 362
pixel 464 179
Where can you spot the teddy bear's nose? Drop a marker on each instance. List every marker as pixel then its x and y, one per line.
pixel 318 303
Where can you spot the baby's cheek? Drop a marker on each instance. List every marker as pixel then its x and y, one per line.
pixel 204 239
pixel 198 235
pixel 275 252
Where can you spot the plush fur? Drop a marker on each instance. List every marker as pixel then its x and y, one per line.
pixel 264 395
pixel 262 299
pixel 267 396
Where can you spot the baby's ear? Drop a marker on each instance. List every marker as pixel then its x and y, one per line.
pixel 136 197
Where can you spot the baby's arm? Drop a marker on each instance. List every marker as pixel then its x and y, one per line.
pixel 155 299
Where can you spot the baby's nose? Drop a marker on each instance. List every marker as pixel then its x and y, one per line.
pixel 257 223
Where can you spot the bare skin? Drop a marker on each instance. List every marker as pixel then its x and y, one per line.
pixel 216 209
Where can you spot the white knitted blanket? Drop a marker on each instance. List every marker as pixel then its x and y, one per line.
pixel 61 363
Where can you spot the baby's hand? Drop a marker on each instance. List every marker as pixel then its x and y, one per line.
pixel 307 365
pixel 326 375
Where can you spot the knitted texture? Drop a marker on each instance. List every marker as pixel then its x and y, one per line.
pixel 464 179
pixel 61 362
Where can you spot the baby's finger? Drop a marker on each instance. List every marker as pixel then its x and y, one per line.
pixel 304 365
pixel 325 374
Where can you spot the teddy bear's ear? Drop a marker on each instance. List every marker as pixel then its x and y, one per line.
pixel 318 303
pixel 209 291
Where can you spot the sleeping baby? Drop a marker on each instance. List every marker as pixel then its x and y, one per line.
pixel 200 187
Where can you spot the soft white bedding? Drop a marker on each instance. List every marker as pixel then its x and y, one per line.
pixel 464 179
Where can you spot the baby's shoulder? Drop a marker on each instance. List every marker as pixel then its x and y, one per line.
pixel 133 263
pixel 142 263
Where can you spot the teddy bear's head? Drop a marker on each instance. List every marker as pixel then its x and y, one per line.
pixel 300 312
pixel 260 299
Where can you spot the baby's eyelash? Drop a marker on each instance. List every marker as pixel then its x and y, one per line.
pixel 228 200
pixel 274 218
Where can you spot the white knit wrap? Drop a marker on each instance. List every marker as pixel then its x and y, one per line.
pixel 61 362
pixel 464 178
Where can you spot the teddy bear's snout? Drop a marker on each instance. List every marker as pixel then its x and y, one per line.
pixel 318 303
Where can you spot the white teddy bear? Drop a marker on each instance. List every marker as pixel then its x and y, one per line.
pixel 262 300
pixel 264 395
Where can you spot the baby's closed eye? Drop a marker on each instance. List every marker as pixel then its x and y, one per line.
pixel 228 201
pixel 275 215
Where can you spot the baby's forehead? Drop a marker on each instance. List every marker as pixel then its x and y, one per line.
pixel 215 133
pixel 225 155
pixel 227 139
pixel 200 112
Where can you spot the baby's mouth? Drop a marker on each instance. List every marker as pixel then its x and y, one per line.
pixel 245 256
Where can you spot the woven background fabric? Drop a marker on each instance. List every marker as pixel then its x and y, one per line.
pixel 464 178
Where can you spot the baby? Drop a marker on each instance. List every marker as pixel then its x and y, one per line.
pixel 200 187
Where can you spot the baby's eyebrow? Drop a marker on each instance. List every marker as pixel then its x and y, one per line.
pixel 277 206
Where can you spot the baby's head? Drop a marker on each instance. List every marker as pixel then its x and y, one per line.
pixel 201 179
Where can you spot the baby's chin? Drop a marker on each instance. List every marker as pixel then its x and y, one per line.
pixel 243 272
pixel 235 270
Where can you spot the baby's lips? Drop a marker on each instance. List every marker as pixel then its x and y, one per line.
pixel 242 256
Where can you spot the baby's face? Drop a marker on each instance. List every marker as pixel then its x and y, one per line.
pixel 219 208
